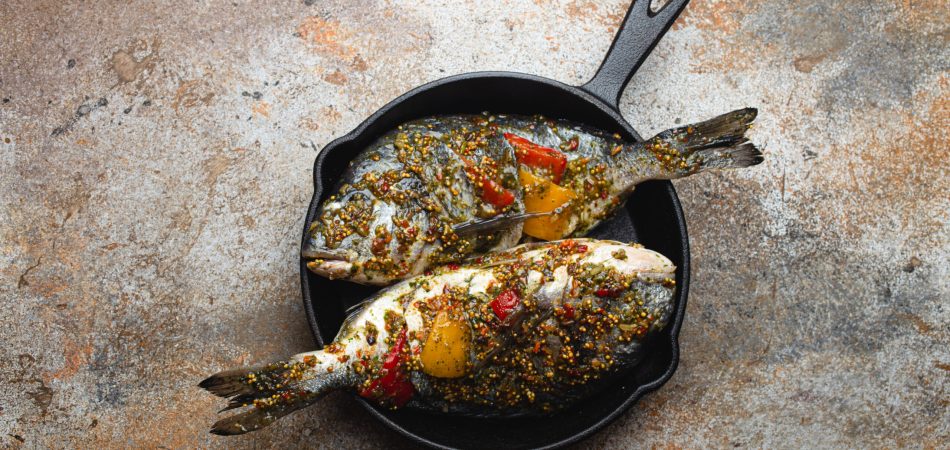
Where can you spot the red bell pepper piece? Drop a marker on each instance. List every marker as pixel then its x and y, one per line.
pixel 504 303
pixel 604 292
pixel 392 385
pixel 492 192
pixel 568 311
pixel 534 155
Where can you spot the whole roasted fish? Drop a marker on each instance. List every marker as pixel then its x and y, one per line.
pixel 526 331
pixel 437 190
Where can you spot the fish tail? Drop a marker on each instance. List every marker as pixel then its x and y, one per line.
pixel 718 143
pixel 271 392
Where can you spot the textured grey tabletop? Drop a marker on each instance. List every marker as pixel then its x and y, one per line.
pixel 155 165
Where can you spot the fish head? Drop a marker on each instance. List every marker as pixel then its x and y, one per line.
pixel 340 265
pixel 369 241
pixel 356 238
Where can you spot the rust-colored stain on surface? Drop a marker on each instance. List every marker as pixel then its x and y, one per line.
pixel 155 170
pixel 191 93
pixel 327 36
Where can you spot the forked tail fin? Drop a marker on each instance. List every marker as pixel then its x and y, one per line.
pixel 271 392
pixel 717 143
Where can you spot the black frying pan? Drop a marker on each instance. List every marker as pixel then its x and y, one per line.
pixel 652 216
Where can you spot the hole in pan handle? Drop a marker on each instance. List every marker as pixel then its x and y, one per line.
pixel 641 29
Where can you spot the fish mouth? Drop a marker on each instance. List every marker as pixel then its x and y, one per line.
pixel 324 254
pixel 332 264
pixel 333 269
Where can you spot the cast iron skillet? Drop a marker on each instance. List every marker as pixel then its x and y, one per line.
pixel 652 216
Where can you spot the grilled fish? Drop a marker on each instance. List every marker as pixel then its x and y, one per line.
pixel 525 331
pixel 440 189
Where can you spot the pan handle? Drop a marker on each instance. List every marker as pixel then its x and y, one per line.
pixel 640 31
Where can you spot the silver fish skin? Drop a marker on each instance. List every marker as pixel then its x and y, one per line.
pixel 441 189
pixel 582 309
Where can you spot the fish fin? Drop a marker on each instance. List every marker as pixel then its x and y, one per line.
pixel 258 417
pixel 357 307
pixel 717 143
pixel 271 392
pixel 353 311
pixel 505 256
pixel 229 383
pixel 494 223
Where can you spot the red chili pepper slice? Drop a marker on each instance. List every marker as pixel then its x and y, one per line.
pixel 570 245
pixel 492 192
pixel 535 155
pixel 504 303
pixel 392 385
pixel 568 311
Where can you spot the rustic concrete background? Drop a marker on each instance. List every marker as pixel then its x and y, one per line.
pixel 155 162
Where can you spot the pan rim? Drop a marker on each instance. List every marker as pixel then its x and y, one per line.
pixel 682 294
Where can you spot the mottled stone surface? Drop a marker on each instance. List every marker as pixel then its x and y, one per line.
pixel 155 162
